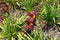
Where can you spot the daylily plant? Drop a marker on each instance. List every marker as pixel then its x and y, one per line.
pixel 29 7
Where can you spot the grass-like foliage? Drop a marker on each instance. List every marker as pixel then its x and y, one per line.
pixel 29 4
pixel 37 35
pixel 11 27
pixel 51 12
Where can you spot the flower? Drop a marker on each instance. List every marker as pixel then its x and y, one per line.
pixel 4 7
pixel 30 27
pixel 32 14
pixel 1 19
pixel 31 20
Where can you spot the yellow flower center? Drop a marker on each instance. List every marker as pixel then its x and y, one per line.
pixel 31 24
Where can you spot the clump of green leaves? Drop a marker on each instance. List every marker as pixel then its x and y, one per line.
pixel 38 34
pixel 11 27
pixel 28 4
pixel 51 12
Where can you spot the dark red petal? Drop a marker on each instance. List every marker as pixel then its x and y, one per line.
pixel 30 20
pixel 1 19
pixel 29 27
pixel 35 12
pixel 29 14
pixel 5 9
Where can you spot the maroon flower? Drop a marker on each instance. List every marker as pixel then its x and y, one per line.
pixel 30 27
pixel 31 15
pixel 1 19
pixel 4 7
pixel 31 20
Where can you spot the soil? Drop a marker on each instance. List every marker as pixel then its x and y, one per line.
pixel 54 31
